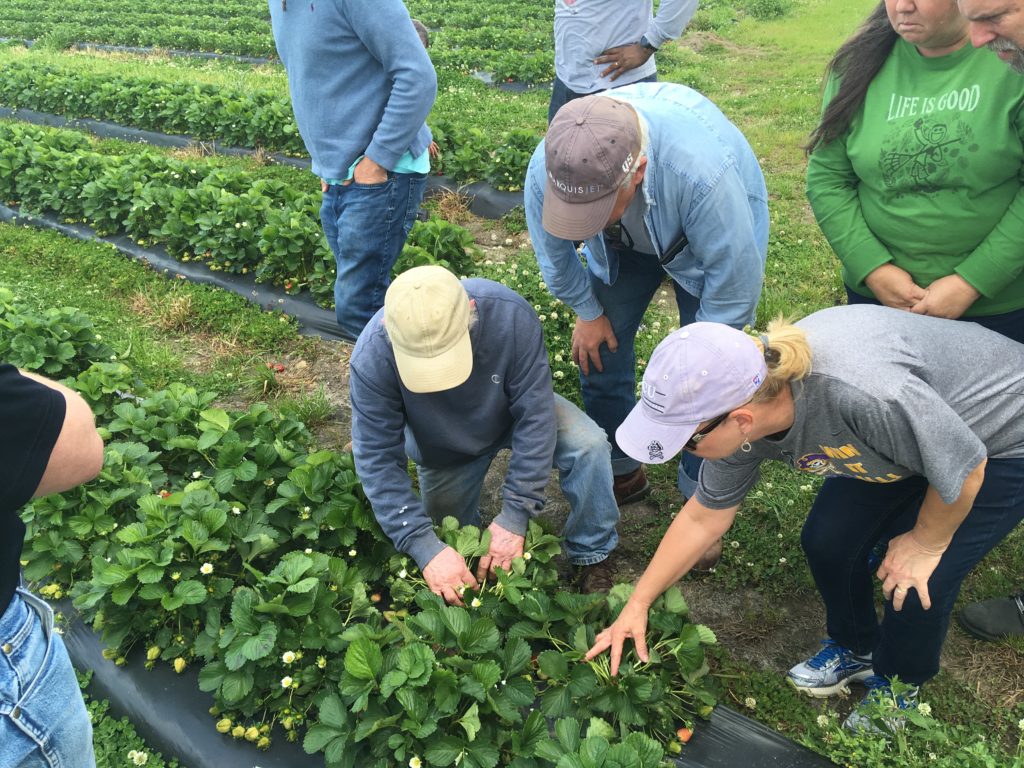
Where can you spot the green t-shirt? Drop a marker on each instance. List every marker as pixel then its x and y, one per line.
pixel 929 176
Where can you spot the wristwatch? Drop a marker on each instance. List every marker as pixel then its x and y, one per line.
pixel 645 43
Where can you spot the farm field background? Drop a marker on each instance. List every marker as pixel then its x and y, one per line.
pixel 760 61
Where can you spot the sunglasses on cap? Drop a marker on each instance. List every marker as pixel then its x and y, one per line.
pixel 697 437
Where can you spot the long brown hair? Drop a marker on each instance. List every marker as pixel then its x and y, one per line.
pixel 856 63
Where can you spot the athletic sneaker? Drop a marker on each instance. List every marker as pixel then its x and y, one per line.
pixel 869 716
pixel 830 670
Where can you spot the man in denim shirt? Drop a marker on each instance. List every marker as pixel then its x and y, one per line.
pixel 656 181
pixel 50 444
pixel 361 86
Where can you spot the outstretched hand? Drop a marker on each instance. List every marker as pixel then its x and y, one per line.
pixel 631 623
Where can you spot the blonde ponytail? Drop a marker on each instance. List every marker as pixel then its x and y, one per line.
pixel 787 354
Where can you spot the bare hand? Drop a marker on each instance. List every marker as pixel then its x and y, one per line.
pixel 587 337
pixel 632 622
pixel 324 186
pixel 894 287
pixel 908 565
pixel 369 172
pixel 434 150
pixel 447 576
pixel 505 547
pixel 623 58
pixel 949 297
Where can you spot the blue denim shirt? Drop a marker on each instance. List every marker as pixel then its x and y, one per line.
pixel 702 179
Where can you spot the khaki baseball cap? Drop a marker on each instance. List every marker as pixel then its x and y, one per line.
pixel 590 146
pixel 426 315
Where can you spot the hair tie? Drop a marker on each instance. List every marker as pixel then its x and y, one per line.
pixel 770 355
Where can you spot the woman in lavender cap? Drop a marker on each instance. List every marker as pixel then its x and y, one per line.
pixel 915 424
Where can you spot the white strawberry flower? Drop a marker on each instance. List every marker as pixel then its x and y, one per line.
pixel 288 657
pixel 286 681
pixel 206 569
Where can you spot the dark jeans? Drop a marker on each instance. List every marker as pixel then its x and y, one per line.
pixel 1010 324
pixel 366 226
pixel 610 395
pixel 561 95
pixel 847 520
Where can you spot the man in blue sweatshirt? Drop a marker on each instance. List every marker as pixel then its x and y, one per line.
pixel 449 373
pixel 361 86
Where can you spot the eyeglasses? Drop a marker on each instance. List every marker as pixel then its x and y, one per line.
pixel 697 437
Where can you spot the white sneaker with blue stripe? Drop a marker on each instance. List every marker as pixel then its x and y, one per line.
pixel 878 713
pixel 830 670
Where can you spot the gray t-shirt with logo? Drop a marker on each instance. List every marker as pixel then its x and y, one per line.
pixel 891 395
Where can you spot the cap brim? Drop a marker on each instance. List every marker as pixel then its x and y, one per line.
pixel 650 441
pixel 448 370
pixel 575 221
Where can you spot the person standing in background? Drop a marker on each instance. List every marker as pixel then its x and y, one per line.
pixel 362 86
pixel 602 44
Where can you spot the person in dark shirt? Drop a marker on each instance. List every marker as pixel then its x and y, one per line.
pixel 49 444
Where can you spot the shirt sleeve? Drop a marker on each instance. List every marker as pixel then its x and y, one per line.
pixel 671 20
pixel 532 405
pixel 32 416
pixel 378 442
pixel 386 30
pixel 724 483
pixel 999 258
pixel 725 243
pixel 565 275
pixel 832 190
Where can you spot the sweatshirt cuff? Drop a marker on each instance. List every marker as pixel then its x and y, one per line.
pixel 513 520
pixel 589 309
pixel 986 276
pixel 424 547
pixel 857 268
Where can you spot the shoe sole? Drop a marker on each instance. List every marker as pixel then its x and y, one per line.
pixel 823 692
pixel 636 496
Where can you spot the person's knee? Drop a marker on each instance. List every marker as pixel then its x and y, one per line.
pixel 822 543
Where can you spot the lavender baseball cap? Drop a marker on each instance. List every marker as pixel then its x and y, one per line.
pixel 695 374
pixel 590 146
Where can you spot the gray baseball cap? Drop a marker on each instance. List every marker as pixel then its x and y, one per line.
pixel 590 147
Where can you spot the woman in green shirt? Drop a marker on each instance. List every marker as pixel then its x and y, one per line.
pixel 915 170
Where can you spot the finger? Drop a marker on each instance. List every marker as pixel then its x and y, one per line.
pixel 617 72
pixel 924 597
pixel 616 647
pixel 641 647
pixel 601 644
pixel 595 358
pixel 469 580
pixel 612 342
pixel 484 566
pixel 451 596
pixel 609 70
pixel 583 361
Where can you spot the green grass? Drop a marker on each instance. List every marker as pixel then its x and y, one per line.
pixel 147 318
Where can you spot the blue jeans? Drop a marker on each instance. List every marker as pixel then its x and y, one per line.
pixel 43 720
pixel 1010 324
pixel 562 95
pixel 366 226
pixel 610 395
pixel 584 474
pixel 846 521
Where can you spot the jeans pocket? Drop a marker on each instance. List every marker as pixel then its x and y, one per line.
pixel 386 184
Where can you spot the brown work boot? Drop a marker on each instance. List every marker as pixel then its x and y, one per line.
pixel 709 559
pixel 599 577
pixel 631 487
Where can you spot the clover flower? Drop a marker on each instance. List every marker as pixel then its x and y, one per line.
pixel 925 708
pixel 750 702
pixel 823 721
pixel 138 758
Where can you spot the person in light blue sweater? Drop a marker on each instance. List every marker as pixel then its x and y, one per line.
pixel 362 86
pixel 449 373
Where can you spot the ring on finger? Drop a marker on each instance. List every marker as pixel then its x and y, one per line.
pixel 899 591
